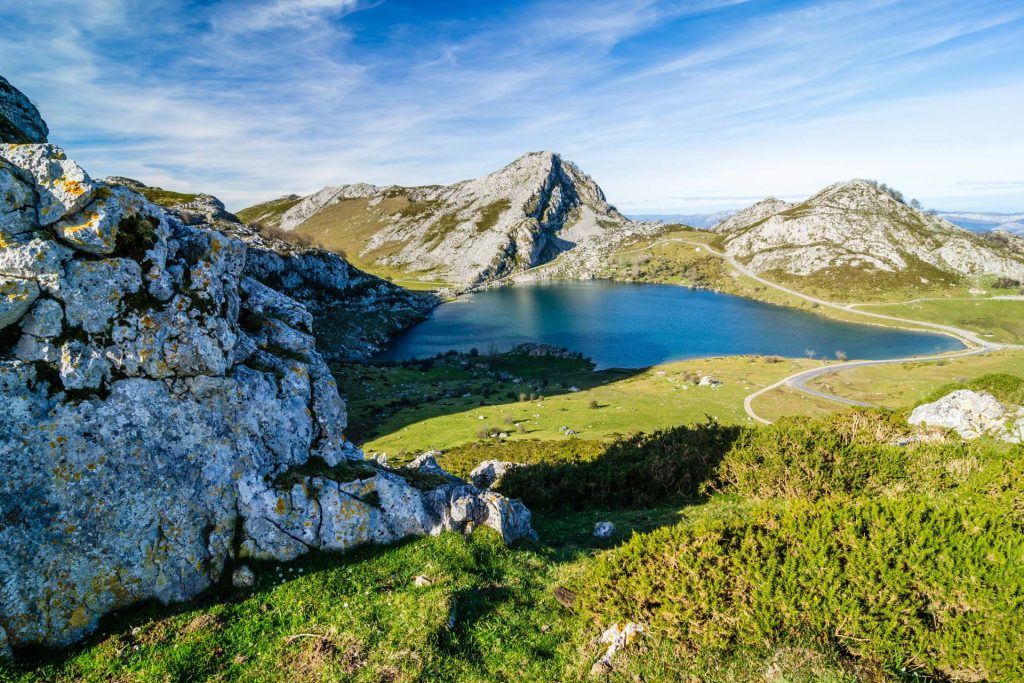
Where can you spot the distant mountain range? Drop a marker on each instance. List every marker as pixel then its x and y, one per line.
pixel 982 222
pixel 694 220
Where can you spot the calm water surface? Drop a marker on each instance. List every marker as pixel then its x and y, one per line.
pixel 635 325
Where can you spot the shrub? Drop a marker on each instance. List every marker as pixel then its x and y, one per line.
pixel 1005 388
pixel 929 584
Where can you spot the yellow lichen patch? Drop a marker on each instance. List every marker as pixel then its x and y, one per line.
pixel 72 187
pixel 92 220
pixel 281 506
pixel 79 618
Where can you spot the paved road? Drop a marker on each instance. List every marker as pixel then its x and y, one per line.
pixel 975 344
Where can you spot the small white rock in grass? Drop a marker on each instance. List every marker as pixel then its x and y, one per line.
pixel 421 581
pixel 603 529
pixel 243 577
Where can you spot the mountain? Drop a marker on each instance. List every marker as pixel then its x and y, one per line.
pixel 695 220
pixel 474 231
pixel 854 232
pixel 979 221
pixel 752 214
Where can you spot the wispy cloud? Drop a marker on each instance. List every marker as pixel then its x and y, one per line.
pixel 667 104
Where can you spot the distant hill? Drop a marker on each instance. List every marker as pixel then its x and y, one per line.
pixel 852 233
pixel 695 220
pixel 520 216
pixel 982 221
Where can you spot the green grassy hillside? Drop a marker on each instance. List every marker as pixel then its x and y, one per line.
pixel 804 551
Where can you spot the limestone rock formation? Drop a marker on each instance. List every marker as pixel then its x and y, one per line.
pixel 166 410
pixel 20 121
pixel 856 225
pixel 754 213
pixel 355 313
pixel 475 231
pixel 971 414
pixel 489 473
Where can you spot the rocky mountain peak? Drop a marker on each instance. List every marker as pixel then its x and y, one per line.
pixel 20 121
pixel 752 214
pixel 512 219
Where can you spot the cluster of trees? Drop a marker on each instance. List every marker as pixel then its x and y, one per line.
pixel 896 194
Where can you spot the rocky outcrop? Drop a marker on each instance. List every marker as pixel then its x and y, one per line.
pixel 489 473
pixel 972 414
pixel 857 225
pixel 355 314
pixel 754 213
pixel 472 232
pixel 166 411
pixel 20 121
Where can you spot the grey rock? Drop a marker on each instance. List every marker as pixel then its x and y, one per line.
pixel 243 577
pixel 35 256
pixel 175 422
pixel 604 530
pixel 20 121
pixel 82 366
pixel 489 473
pixel 93 291
pixel 62 186
pixel 44 320
pixel 16 297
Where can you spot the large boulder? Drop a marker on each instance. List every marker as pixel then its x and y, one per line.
pixel 164 411
pixel 971 414
pixel 20 121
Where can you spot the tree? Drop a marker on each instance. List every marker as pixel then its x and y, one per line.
pixel 841 355
pixel 810 353
pixel 914 204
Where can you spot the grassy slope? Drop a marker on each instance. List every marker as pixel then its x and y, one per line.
pixel 267 212
pixel 443 404
pixel 910 383
pixel 348 226
pixel 800 552
pixel 999 320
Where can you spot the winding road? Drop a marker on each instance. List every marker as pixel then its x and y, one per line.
pixel 975 344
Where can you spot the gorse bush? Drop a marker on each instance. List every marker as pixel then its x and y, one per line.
pixel 1005 388
pixel 902 582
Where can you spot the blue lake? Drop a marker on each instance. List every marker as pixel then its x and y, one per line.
pixel 636 325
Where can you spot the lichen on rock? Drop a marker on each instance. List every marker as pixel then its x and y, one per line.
pixel 156 393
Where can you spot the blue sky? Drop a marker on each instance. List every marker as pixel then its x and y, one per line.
pixel 671 106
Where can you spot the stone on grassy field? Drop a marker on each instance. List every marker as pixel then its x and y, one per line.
pixel 604 530
pixel 243 577
pixel 971 414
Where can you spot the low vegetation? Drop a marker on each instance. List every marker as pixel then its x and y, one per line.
pixel 402 409
pixel 163 197
pixel 804 551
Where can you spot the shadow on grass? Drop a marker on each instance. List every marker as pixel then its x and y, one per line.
pixel 385 397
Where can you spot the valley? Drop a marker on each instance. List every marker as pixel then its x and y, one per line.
pixel 494 430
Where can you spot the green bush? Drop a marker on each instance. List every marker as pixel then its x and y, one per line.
pixel 932 585
pixel 1005 388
